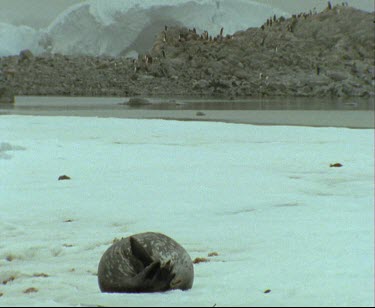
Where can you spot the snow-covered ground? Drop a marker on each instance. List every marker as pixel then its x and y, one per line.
pixel 263 197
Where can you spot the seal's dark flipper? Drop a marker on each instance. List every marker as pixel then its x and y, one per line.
pixel 140 252
pixel 166 273
pixel 152 270
pixel 158 277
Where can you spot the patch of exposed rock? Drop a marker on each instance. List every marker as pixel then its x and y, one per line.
pixel 320 55
pixel 138 101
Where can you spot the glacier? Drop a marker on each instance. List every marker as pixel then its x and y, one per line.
pixel 119 27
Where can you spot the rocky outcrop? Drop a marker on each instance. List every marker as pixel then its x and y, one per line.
pixel 312 55
pixel 326 54
pixel 26 55
pixel 138 101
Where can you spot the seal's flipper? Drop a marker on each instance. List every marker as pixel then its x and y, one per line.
pixel 152 271
pixel 140 252
pixel 158 277
pixel 166 272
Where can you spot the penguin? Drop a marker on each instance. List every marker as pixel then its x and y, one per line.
pixel 148 59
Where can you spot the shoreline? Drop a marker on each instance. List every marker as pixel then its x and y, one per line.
pixel 237 112
pixel 337 119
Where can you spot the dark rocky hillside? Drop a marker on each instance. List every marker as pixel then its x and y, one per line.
pixel 326 54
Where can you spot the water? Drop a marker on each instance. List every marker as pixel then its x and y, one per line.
pixel 354 112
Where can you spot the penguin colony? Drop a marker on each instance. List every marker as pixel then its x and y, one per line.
pixel 169 37
pixel 273 20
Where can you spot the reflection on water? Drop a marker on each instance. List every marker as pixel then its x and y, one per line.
pixel 273 104
pixel 103 103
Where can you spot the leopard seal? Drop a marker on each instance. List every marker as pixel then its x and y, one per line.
pixel 145 262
